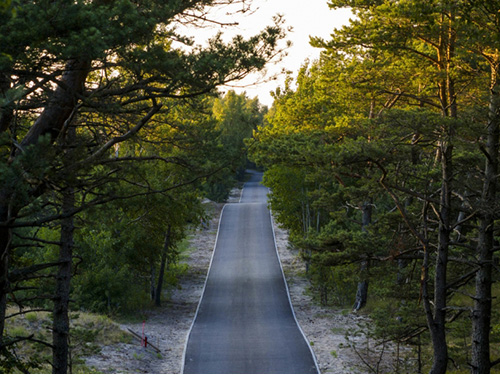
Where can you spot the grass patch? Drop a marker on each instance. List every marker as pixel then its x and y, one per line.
pixel 338 331
pixel 138 357
pixel 17 331
pixel 31 317
pixel 89 332
pixel 104 331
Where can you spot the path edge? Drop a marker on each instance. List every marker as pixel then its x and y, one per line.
pixel 290 299
pixel 203 292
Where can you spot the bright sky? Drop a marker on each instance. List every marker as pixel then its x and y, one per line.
pixel 307 18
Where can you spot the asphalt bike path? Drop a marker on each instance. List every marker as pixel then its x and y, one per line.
pixel 245 323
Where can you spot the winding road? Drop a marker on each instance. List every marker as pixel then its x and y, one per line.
pixel 245 322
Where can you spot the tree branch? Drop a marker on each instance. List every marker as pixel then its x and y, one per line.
pixel 99 153
pixel 20 273
pixel 26 312
pixel 496 362
pixel 205 19
pixel 107 199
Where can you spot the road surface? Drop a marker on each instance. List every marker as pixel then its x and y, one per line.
pixel 244 322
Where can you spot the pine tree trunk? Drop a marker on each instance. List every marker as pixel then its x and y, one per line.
pixel 5 117
pixel 60 325
pixel 362 291
pixel 6 213
pixel 6 112
pixel 438 325
pixel 61 105
pixel 163 266
pixel 51 121
pixel 152 279
pixel 481 315
pixel 4 269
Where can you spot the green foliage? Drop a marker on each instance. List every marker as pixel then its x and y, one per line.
pixel 354 159
pixel 119 245
pixel 89 333
pixel 4 5
pixel 237 117
pixel 332 286
pixel 106 116
pixel 353 155
pixel 218 189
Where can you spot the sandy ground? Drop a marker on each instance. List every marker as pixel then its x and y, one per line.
pixel 167 327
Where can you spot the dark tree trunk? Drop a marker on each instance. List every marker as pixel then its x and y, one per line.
pixel 4 269
pixel 60 325
pixel 6 214
pixel 62 103
pixel 6 113
pixel 51 121
pixel 481 315
pixel 362 291
pixel 438 325
pixel 163 265
pixel 152 280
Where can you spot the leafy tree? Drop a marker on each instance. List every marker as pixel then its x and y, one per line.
pixel 4 5
pixel 431 32
pixel 485 22
pixel 237 117
pixel 303 133
pixel 106 69
pixel 396 110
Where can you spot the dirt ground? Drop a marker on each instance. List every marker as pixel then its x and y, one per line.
pixel 168 326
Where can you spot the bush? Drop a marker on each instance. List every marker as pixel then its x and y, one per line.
pixel 110 290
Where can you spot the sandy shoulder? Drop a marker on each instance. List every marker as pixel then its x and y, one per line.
pixel 323 327
pixel 167 327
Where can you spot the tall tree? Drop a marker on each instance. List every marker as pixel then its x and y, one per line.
pixel 429 31
pixel 106 67
pixel 237 117
pixel 484 31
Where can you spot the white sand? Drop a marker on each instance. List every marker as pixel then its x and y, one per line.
pixel 167 327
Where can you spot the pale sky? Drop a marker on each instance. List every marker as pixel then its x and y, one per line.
pixel 312 17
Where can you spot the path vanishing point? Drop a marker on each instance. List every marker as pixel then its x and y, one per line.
pixel 245 322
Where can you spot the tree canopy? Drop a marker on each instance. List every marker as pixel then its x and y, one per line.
pixel 108 137
pixel 384 160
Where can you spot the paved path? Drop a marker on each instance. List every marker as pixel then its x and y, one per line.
pixel 244 322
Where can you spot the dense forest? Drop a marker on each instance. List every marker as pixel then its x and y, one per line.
pixel 112 132
pixel 383 164
pixel 382 159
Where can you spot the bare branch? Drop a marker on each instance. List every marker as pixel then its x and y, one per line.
pixel 107 199
pixel 21 273
pixel 99 153
pixel 26 312
pixel 57 243
pixel 208 20
pixel 496 362
pixel 172 160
